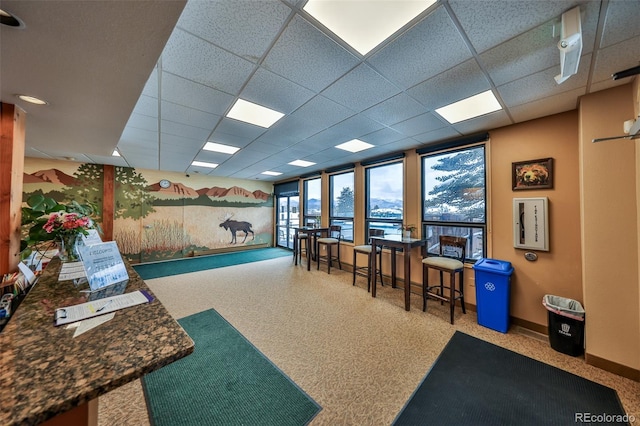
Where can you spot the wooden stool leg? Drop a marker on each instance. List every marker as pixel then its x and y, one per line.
pixel 354 267
pixel 452 294
pixel 425 286
pixel 329 258
pixel 462 291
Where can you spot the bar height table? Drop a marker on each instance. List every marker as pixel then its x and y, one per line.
pixel 395 242
pixel 313 235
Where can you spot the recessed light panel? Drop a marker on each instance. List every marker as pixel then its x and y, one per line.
pixel 472 107
pixel 204 164
pixel 115 153
pixel 270 173
pixel 218 147
pixel 254 114
pixel 32 100
pixel 301 163
pixel 364 24
pixel 354 145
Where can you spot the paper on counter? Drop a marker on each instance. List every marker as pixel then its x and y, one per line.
pixel 86 310
pixel 90 323
pixel 71 271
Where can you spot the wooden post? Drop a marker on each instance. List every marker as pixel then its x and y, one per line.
pixel 12 135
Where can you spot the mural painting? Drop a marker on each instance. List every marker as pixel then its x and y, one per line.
pixel 164 215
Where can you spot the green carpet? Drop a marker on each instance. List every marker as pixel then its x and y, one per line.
pixel 201 263
pixel 225 381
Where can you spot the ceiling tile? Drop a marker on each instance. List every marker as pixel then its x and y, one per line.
pixel 417 125
pixel 430 47
pixel 194 95
pixel 395 109
pixel 489 23
pixel 273 91
pixel 451 86
pixel 144 122
pixel 189 116
pixel 482 123
pixel 231 25
pixel 565 101
pixel 542 85
pixel 621 22
pixel 615 58
pixel 360 88
pixel 182 130
pixel 195 59
pixel 305 55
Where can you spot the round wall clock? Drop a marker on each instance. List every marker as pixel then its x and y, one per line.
pixel 165 183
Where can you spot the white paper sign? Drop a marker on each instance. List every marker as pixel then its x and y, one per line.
pixel 103 264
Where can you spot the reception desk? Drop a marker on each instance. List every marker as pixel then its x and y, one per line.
pixel 48 375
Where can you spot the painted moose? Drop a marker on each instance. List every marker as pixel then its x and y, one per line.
pixel 235 226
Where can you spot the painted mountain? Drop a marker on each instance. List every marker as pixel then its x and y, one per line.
pixel 234 193
pixel 54 176
pixel 176 190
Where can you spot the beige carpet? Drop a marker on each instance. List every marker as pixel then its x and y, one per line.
pixel 359 358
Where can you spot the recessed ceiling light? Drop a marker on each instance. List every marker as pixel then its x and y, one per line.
pixel 218 147
pixel 32 100
pixel 302 163
pixel 254 114
pixel 354 145
pixel 269 173
pixel 365 24
pixel 474 106
pixel 115 153
pixel 204 164
pixel 9 20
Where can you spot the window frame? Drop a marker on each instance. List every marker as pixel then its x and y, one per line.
pixel 472 227
pixel 306 216
pixel 368 220
pixel 333 218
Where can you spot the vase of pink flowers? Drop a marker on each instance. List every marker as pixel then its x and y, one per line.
pixel 45 220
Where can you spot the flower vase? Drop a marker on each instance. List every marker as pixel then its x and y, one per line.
pixel 407 234
pixel 68 248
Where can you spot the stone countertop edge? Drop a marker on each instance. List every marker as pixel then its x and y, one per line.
pixel 44 371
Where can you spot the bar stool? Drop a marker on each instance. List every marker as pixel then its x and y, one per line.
pixel 450 261
pixel 297 246
pixel 333 239
pixel 366 249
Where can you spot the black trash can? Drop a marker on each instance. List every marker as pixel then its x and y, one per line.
pixel 566 324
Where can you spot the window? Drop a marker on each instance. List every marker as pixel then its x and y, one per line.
pixel 342 200
pixel 454 198
pixel 312 201
pixel 384 198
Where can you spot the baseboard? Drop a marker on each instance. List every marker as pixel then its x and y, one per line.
pixel 613 367
pixel 196 253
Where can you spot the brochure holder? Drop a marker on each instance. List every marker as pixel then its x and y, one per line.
pixel 103 265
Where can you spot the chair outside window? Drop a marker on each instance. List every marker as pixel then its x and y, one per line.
pixel 332 240
pixel 450 261
pixel 366 249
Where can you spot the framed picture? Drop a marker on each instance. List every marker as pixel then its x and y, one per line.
pixel 532 174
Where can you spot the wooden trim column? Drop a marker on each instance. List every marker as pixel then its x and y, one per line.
pixel 12 134
pixel 108 198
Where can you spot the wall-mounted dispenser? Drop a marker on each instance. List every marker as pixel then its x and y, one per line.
pixel 530 223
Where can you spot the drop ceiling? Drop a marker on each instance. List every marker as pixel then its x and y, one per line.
pixel 154 79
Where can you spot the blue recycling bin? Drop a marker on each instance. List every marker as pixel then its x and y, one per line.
pixel 493 287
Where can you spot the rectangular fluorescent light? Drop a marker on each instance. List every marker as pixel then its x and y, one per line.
pixel 218 147
pixel 302 163
pixel 269 173
pixel 115 153
pixel 472 107
pixel 364 24
pixel 354 145
pixel 254 114
pixel 204 164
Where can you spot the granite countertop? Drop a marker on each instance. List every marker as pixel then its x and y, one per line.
pixel 44 371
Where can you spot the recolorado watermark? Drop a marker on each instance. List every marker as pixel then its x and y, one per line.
pixel 603 418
